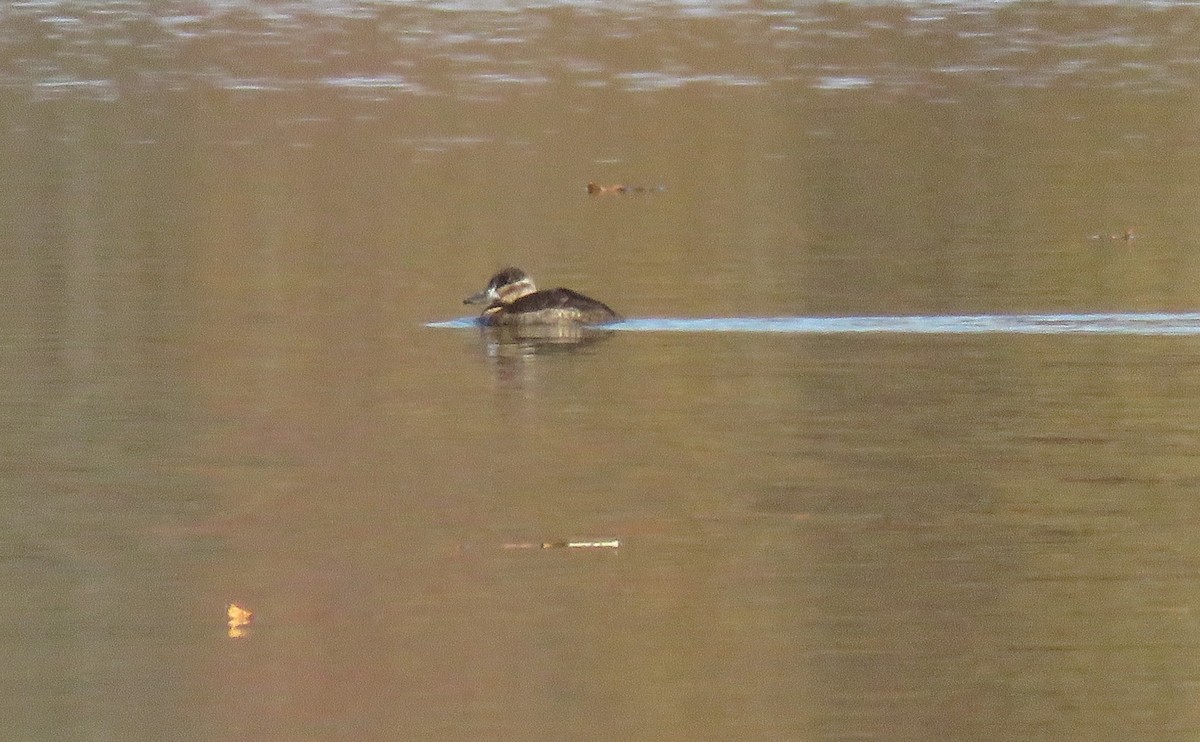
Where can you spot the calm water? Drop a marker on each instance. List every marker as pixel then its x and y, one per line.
pixel 225 228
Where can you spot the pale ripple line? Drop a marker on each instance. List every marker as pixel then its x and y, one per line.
pixel 1116 323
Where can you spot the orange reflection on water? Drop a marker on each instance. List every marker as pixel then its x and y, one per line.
pixel 239 619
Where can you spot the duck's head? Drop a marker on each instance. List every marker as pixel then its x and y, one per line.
pixel 505 287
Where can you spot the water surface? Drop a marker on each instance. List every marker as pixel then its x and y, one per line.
pixel 950 493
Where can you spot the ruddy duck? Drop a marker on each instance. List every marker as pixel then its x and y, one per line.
pixel 513 299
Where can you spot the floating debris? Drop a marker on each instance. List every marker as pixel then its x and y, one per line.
pixel 239 619
pixel 604 544
pixel 608 544
pixel 600 190
pixel 1126 236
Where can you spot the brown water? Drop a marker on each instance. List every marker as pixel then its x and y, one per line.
pixel 224 228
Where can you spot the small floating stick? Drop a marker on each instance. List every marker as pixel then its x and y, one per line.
pixel 596 189
pixel 604 544
pixel 1126 236
pixel 609 544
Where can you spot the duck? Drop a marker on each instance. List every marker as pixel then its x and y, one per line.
pixel 513 299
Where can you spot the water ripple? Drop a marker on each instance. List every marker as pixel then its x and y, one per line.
pixel 510 48
pixel 1116 323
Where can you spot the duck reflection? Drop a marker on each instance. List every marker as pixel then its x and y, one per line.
pixel 509 341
